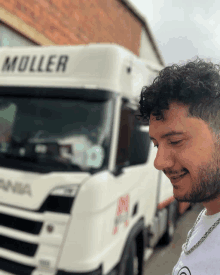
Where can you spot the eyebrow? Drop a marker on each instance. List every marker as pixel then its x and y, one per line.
pixel 171 133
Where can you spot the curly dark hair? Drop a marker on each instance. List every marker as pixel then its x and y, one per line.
pixel 195 84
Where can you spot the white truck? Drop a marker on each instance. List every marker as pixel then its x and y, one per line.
pixel 79 193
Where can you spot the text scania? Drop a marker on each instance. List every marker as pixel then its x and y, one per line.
pixel 15 187
pixel 25 63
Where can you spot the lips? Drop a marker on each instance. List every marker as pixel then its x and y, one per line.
pixel 177 178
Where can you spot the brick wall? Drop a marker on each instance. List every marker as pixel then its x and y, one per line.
pixel 79 21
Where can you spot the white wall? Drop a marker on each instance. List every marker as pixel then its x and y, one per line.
pixel 146 48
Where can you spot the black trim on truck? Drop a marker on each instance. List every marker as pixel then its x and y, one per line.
pixel 57 204
pixel 21 224
pixel 18 246
pixel 57 92
pixel 24 165
pixel 95 272
pixel 15 268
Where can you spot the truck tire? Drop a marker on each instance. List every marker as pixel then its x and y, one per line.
pixel 129 264
pixel 171 224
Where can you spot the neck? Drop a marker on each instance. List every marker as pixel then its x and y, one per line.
pixel 212 207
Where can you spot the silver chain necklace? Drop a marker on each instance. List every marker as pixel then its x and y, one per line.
pixel 202 239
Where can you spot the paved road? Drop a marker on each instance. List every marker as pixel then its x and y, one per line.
pixel 165 258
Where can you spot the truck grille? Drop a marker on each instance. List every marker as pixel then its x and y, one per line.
pixel 24 241
pixel 20 247
pixel 21 224
pixel 12 267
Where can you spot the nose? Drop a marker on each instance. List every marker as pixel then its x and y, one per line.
pixel 164 159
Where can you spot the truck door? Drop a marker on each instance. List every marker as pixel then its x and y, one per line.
pixel 137 177
pixel 131 162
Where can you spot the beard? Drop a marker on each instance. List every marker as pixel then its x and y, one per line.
pixel 206 187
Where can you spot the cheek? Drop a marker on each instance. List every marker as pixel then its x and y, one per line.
pixel 197 153
pixel 203 149
pixel 193 160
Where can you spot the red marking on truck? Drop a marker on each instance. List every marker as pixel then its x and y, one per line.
pixel 121 213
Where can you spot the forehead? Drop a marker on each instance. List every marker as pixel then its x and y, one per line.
pixel 175 119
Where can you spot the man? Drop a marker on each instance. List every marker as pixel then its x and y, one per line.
pixel 182 107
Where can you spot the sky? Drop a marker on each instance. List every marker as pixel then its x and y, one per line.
pixel 184 29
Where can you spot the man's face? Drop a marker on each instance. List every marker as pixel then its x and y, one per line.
pixel 192 152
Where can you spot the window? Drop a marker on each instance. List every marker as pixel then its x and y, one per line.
pixel 139 150
pixel 125 133
pixel 134 141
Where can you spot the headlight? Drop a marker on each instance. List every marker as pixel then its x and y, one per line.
pixel 65 191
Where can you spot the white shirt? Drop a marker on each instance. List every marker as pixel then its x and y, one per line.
pixel 205 259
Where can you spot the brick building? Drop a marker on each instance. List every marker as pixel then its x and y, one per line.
pixel 71 22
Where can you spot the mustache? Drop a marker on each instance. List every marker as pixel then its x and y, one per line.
pixel 169 172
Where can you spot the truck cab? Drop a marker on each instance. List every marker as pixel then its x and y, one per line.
pixel 77 179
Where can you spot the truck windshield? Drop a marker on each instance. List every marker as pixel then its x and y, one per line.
pixel 71 133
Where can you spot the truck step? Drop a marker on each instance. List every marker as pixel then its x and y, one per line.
pixel 147 253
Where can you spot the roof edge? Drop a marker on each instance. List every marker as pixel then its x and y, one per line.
pixel 17 24
pixel 143 20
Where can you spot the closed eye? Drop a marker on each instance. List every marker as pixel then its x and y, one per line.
pixel 171 142
pixel 175 142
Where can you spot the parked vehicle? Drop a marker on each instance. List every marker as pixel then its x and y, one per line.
pixel 79 193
